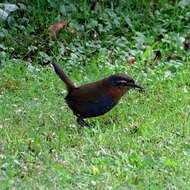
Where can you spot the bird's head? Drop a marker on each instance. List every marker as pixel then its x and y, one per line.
pixel 123 81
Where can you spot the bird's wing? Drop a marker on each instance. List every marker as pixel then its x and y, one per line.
pixel 89 101
pixel 89 92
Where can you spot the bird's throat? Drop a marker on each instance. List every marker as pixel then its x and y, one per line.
pixel 117 93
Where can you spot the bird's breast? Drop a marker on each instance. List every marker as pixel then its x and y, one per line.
pixel 91 108
pixel 117 93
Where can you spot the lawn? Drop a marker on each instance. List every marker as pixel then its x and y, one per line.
pixel 143 143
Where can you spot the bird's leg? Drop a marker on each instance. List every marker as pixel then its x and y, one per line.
pixel 82 123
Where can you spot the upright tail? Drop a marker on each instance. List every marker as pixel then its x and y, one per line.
pixel 69 84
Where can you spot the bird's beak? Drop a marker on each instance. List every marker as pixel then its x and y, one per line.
pixel 135 86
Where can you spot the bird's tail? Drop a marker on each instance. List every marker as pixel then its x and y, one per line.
pixel 69 84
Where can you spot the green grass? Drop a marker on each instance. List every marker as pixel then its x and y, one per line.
pixel 142 144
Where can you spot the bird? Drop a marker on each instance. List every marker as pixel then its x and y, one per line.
pixel 96 98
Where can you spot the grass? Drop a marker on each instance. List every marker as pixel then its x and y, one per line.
pixel 143 143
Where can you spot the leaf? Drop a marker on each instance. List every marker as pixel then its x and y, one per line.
pixel 3 15
pixel 131 60
pixel 140 40
pixel 8 7
pixel 55 28
pixel 128 22
pixel 184 3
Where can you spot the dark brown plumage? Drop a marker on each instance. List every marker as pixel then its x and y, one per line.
pixel 97 98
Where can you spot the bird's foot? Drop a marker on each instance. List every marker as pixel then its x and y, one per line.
pixel 82 123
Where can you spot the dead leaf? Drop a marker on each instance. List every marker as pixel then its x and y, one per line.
pixel 131 60
pixel 55 28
